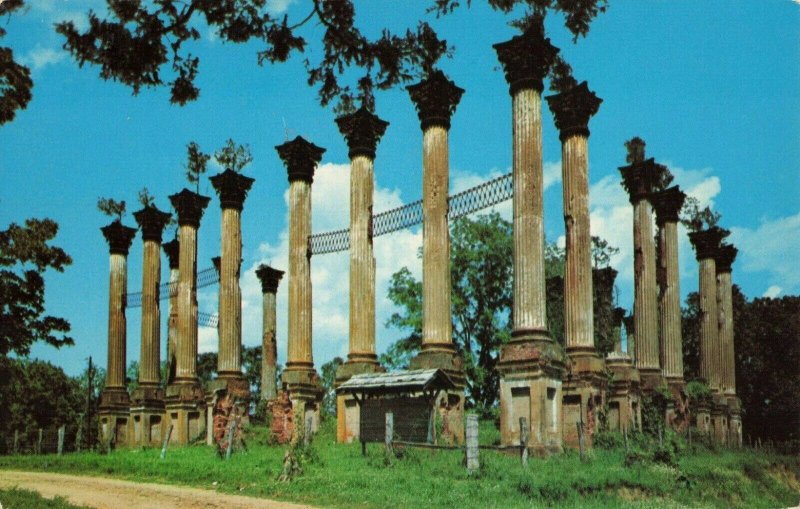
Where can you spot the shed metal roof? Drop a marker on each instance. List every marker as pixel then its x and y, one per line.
pixel 398 381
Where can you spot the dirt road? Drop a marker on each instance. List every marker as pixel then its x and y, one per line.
pixel 114 494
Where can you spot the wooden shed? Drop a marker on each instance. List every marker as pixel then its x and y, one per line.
pixel 410 395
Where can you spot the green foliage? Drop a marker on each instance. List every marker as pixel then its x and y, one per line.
pixel 15 78
pixel 697 391
pixel 21 498
pixel 145 198
pixel 233 157
pixel 132 376
pixel 328 378
pixel 111 207
pixel 196 163
pixel 206 367
pixel 602 252
pixel 35 394
pixel 696 219
pixel 25 255
pixel 654 408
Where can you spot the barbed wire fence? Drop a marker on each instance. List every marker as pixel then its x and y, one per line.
pixel 474 199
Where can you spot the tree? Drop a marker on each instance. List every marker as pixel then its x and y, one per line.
pixel 328 379
pixel 196 163
pixel 233 157
pixel 15 78
pixel 696 219
pixel 25 255
pixel 138 43
pixel 111 207
pixel 145 198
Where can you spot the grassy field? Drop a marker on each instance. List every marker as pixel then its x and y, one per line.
pixel 339 476
pixel 23 499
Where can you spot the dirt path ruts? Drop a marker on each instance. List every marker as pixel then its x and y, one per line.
pixel 115 494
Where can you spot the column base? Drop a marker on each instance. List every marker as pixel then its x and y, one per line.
pixel 719 420
pixel 299 400
pixel 584 395
pixel 651 378
pixel 185 411
pixel 114 415
pixel 678 413
pixel 624 403
pixel 347 412
pixel 450 404
pixel 531 367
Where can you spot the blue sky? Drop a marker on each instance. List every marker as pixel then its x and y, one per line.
pixel 711 86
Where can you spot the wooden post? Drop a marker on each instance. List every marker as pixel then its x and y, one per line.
pixel 660 437
pixel 389 433
pixel 166 442
pixel 363 447
pixel 61 432
pixel 473 463
pixel 39 443
pixel 689 427
pixel 78 437
pixel 580 439
pixel 523 440
pixel 231 431
pixel 16 441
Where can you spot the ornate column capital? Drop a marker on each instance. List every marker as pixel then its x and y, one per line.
pixel 269 278
pixel 152 222
pixel 573 108
pixel 667 204
pixel 300 158
pixel 640 178
pixel 707 242
pixel 435 99
pixel 362 130
pixel 725 256
pixel 189 207
pixel 231 188
pixel 526 58
pixel 119 237
pixel 172 250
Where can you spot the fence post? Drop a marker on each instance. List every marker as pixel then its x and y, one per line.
pixel 231 431
pixel 61 432
pixel 473 463
pixel 166 442
pixel 580 439
pixel 524 435
pixel 389 433
pixel 16 441
pixel 625 438
pixel 39 443
pixel 660 437
pixel 78 437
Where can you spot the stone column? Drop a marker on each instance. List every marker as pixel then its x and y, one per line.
pixel 531 365
pixel 667 205
pixel 115 400
pixel 706 243
pixel 232 190
pixel 435 99
pixel 572 110
pixel 172 250
pixel 269 278
pixel 299 378
pixel 185 400
pixel 639 179
pixel 152 222
pixel 724 259
pixel 362 130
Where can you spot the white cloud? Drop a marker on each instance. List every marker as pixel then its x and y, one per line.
pixel 772 292
pixel 56 11
pixel 40 57
pixel 279 6
pixel 771 248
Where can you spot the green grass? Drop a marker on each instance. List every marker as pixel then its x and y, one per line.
pixel 339 476
pixel 16 498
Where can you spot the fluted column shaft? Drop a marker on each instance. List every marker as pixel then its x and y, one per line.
pixel 150 356
pixel 578 296
pixel 299 352
pixel 727 354
pixel 230 295
pixel 670 304
pixel 645 313
pixel 117 286
pixel 172 321
pixel 362 261
pixel 269 349
pixel 186 299
pixel 528 180
pixel 437 325
pixel 709 325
